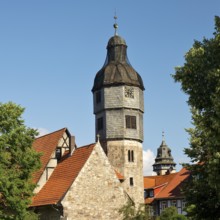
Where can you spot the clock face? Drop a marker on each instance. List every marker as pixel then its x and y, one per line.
pixel 129 92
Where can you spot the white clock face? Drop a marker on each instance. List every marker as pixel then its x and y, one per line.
pixel 129 92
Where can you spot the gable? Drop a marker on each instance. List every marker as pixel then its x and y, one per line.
pixel 63 176
pixel 96 192
pixel 46 145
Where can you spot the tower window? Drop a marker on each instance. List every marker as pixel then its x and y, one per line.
pixel 130 121
pixel 100 123
pixel 131 181
pixel 130 156
pixel 98 97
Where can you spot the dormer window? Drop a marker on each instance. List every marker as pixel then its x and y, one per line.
pixel 58 153
pixel 151 193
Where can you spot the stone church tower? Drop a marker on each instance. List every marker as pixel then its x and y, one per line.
pixel 118 108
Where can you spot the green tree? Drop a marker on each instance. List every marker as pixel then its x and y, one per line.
pixel 130 212
pixel 171 213
pixel 18 161
pixel 200 79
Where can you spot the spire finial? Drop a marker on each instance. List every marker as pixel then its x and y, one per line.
pixel 163 138
pixel 115 24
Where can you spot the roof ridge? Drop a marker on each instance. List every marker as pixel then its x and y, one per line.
pixel 65 128
pixel 88 145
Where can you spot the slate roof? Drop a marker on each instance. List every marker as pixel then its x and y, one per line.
pixel 166 186
pixel 62 178
pixel 117 70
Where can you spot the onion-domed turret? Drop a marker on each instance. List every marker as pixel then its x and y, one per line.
pixel 117 70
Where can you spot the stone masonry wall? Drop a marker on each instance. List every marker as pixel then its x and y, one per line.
pixel 96 193
pixel 118 157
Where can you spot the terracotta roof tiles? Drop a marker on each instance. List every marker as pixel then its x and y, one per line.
pixel 46 145
pixel 166 186
pixel 173 189
pixel 63 176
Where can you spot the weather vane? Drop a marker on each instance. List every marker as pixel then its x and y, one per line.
pixel 163 136
pixel 115 24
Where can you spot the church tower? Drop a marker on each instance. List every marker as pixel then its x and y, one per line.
pixel 164 163
pixel 118 108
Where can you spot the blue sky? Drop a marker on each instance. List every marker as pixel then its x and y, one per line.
pixel 50 51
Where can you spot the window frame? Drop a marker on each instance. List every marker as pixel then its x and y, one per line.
pixel 163 205
pixel 174 203
pixel 58 153
pixel 131 121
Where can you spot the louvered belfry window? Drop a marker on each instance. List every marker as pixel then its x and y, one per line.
pixel 130 121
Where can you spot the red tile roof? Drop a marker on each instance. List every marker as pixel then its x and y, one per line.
pixel 62 178
pixel 173 189
pixel 119 175
pixel 46 145
pixel 166 186
pixel 153 181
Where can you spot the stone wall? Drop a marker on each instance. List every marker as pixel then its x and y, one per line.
pixel 118 157
pixel 96 193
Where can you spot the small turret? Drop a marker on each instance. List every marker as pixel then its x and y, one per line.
pixel 164 163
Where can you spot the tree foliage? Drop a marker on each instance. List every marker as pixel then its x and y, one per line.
pixel 18 161
pixel 171 213
pixel 130 212
pixel 200 79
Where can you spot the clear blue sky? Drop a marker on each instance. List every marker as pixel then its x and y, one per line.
pixel 50 51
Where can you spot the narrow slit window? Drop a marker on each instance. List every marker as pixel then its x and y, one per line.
pixel 129 155
pixel 132 156
pixel 131 181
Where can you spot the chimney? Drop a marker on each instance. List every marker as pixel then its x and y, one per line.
pixel 72 144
